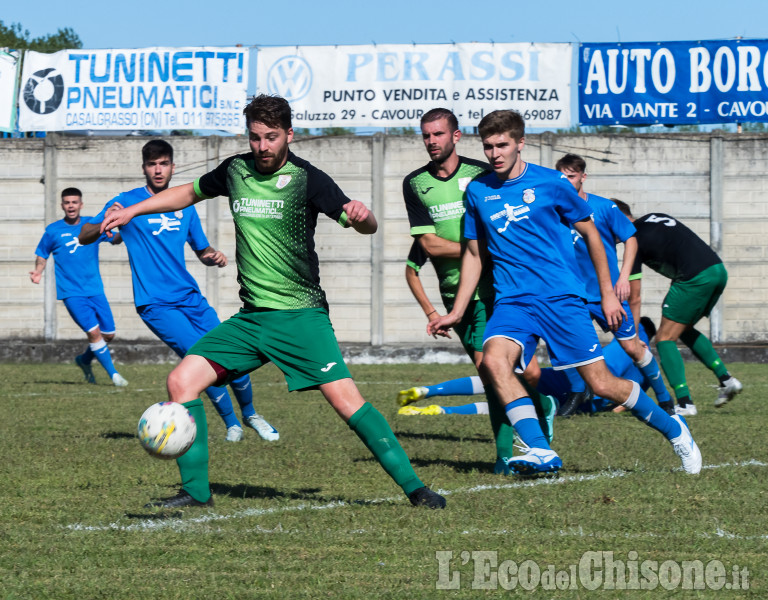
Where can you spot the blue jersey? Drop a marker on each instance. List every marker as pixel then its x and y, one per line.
pixel 76 266
pixel 156 250
pixel 612 226
pixel 521 220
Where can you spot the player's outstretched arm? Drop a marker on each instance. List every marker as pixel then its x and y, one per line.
pixel 622 284
pixel 414 283
pixel 360 218
pixel 611 306
pixel 36 275
pixel 175 198
pixel 211 257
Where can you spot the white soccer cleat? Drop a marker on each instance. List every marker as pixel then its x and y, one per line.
pixel 727 391
pixel 686 448
pixel 119 380
pixel 689 410
pixel 264 429
pixel 234 433
pixel 535 461
pixel 411 395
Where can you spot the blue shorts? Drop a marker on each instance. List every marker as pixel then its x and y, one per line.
pixel 562 322
pixel 627 329
pixel 180 324
pixel 90 312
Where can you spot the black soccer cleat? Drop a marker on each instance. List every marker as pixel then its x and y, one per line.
pixel 574 400
pixel 426 497
pixel 180 500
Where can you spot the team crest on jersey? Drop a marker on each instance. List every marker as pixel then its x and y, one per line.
pixel 179 214
pixel 528 196
pixel 282 181
pixel 463 183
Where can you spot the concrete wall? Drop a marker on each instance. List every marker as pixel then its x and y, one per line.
pixel 716 184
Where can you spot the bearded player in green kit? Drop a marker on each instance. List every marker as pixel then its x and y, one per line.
pixel 275 199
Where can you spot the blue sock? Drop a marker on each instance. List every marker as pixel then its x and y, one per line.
pixel 646 410
pixel 522 414
pixel 244 395
pixel 464 409
pixel 574 379
pixel 223 405
pixel 466 386
pixel 650 370
pixel 87 356
pixel 101 351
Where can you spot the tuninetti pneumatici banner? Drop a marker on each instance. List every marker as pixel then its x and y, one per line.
pixel 148 88
pixel 393 85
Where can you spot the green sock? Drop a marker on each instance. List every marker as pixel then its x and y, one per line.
pixel 193 464
pixel 703 350
pixel 374 431
pixel 673 366
pixel 503 432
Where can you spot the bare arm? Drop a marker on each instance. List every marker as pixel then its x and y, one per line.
pixel 434 245
pixel 612 310
pixel 211 257
pixel 622 284
pixel 89 233
pixel 360 217
pixel 471 268
pixel 635 300
pixel 36 275
pixel 172 199
pixel 414 283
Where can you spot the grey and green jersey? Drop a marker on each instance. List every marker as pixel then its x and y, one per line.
pixel 436 205
pixel 275 217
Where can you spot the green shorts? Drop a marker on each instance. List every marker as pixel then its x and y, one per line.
pixel 472 325
pixel 688 301
pixel 300 342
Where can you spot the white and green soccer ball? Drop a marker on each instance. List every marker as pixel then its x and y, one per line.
pixel 167 430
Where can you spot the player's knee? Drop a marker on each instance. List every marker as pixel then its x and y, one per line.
pixel 108 337
pixel 179 384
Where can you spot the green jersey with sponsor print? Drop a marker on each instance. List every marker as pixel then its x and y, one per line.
pixel 275 216
pixel 436 205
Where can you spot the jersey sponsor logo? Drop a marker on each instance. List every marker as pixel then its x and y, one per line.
pixel 282 181
pixel 446 211
pixel 75 243
pixel 510 213
pixel 425 190
pixel 65 235
pixel 258 208
pixel 328 367
pixel 494 197
pixel 463 183
pixel 166 224
pixel 529 196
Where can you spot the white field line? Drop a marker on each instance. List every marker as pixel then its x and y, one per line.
pixel 178 525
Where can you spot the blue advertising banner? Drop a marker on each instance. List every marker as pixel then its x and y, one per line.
pixel 673 83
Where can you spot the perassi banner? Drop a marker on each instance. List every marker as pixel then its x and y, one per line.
pixel 9 64
pixel 393 85
pixel 673 82
pixel 149 88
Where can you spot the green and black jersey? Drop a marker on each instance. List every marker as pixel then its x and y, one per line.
pixel 275 217
pixel 670 248
pixel 436 205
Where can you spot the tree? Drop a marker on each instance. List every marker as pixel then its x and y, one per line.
pixel 14 37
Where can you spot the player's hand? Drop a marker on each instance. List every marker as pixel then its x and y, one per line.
pixel 622 289
pixel 613 311
pixel 116 216
pixel 441 325
pixel 216 258
pixel 35 276
pixel 357 212
pixel 433 316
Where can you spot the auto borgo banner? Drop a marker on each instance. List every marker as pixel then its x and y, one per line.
pixel 673 82
pixel 9 62
pixel 148 88
pixel 393 85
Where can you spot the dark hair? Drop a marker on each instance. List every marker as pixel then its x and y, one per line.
pixel 273 111
pixel 441 113
pixel 649 326
pixel 155 149
pixel 622 206
pixel 502 121
pixel 572 162
pixel 71 192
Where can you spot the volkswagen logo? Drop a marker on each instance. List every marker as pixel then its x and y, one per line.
pixel 290 77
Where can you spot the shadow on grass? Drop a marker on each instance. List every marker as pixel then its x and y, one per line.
pixel 443 437
pixel 250 492
pixel 117 435
pixel 460 466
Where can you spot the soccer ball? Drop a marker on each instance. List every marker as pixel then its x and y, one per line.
pixel 167 430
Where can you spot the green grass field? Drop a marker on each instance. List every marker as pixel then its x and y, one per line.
pixel 313 516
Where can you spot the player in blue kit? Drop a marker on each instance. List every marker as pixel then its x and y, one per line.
pixel 166 296
pixel 612 225
pixel 78 284
pixel 514 218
